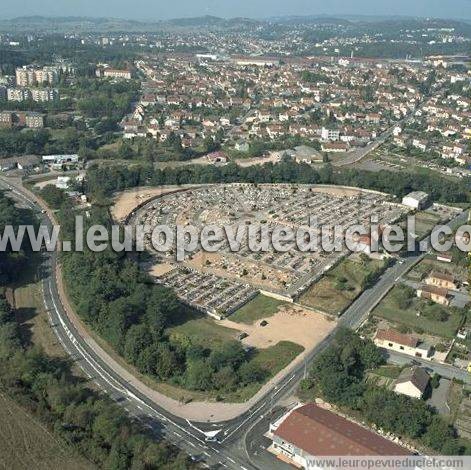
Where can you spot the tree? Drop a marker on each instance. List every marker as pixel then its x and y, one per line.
pixel 138 337
pixel 225 378
pixel 438 433
pixel 198 375
pixel 53 196
pixel 251 372
pixel 126 151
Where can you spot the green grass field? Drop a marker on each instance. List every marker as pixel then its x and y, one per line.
pixel 273 360
pixel 206 332
pixel 258 308
pixel 424 223
pixel 329 296
pixel 388 371
pixel 389 310
pixel 203 331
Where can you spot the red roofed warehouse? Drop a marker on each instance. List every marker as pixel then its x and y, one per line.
pixel 311 431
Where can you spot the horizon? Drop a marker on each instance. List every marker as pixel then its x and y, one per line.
pixel 148 11
pixel 346 16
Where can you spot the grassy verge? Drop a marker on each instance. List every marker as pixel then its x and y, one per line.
pixel 388 371
pixel 30 311
pixel 337 290
pixel 258 308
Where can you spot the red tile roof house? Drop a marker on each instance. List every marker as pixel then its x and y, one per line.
pixel 310 431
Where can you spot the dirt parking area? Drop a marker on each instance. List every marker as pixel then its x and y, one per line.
pixel 290 323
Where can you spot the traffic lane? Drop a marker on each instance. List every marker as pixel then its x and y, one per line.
pixel 92 366
pixel 115 388
pixel 256 443
pixel 151 420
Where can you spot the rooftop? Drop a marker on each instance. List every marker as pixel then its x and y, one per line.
pixel 396 337
pixel 416 375
pixel 320 432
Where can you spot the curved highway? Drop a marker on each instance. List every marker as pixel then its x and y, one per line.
pixel 230 448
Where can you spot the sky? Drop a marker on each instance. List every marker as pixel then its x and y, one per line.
pixel 165 9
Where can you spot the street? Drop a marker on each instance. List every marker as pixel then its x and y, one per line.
pixel 230 449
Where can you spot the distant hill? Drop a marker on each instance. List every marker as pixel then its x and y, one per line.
pixel 88 24
pixel 103 25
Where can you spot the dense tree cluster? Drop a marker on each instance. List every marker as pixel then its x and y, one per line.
pixel 117 178
pixel 132 313
pixel 103 98
pixel 27 142
pixel 12 262
pixel 338 375
pixel 47 387
pixel 92 423
pixel 53 196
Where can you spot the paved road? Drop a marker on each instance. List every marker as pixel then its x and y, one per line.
pixel 183 434
pixel 445 370
pixel 359 154
pixel 230 450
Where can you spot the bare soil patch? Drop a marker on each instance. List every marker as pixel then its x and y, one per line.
pixel 290 323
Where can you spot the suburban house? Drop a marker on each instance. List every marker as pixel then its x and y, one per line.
pixel 400 342
pixel 310 431
pixel 412 381
pixel 439 295
pixel 438 279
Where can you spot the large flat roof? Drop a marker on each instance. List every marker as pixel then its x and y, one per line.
pixel 318 431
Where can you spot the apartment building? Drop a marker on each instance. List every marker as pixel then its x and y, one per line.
pixel 18 94
pixel 44 94
pixel 6 120
pixel 31 76
pixel 330 134
pixel 116 73
pixel 32 120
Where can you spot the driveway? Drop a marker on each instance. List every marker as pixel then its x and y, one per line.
pixel 439 397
